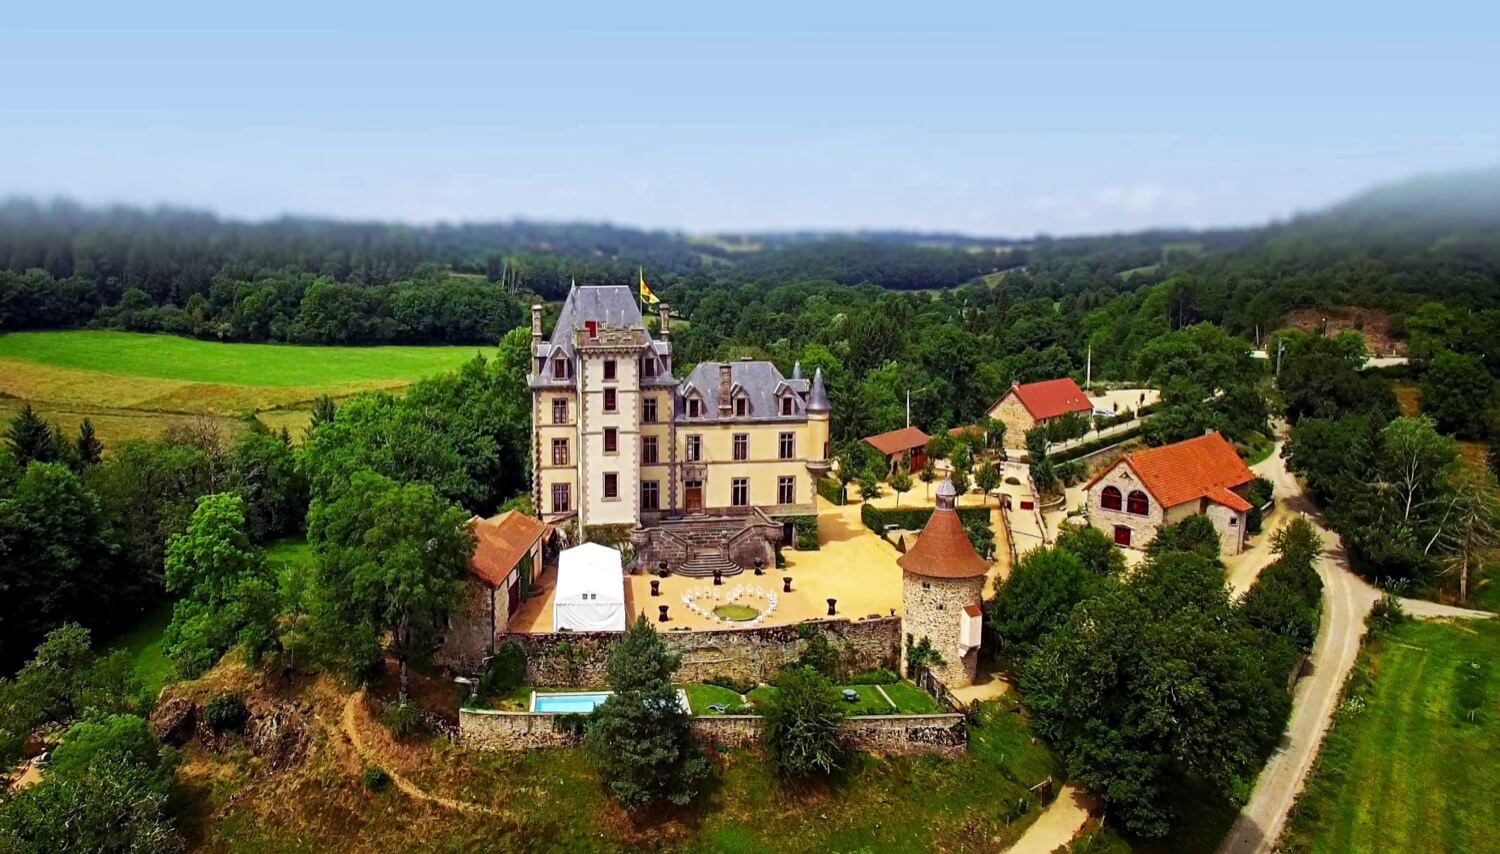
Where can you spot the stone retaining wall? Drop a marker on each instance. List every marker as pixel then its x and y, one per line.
pixel 908 735
pixel 578 659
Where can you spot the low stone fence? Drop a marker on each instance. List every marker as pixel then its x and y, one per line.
pixel 578 659
pixel 907 735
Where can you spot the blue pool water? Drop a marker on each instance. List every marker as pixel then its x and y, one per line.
pixel 567 703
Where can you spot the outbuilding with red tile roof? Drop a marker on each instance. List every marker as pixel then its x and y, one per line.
pixel 1141 492
pixel 507 562
pixel 1027 405
pixel 909 444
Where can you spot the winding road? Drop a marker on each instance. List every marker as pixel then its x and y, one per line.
pixel 1347 600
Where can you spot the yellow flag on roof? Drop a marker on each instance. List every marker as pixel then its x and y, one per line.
pixel 647 298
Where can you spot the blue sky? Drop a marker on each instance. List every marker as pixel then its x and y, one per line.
pixel 977 118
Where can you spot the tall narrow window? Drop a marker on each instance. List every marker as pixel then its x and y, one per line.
pixel 742 446
pixel 650 495
pixel 559 369
pixel 648 409
pixel 648 367
pixel 787 447
pixel 593 328
pixel 649 452
pixel 694 448
pixel 559 410
pixel 611 440
pixel 786 490
pixel 562 497
pixel 559 452
pixel 609 369
pixel 694 407
pixel 611 485
pixel 786 405
pixel 739 492
pixel 741 407
pixel 611 400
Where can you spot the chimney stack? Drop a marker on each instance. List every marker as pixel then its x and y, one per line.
pixel 725 407
pixel 536 326
pixel 664 313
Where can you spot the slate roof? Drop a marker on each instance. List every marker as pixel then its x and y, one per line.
pixel 1050 398
pixel 817 397
pixel 1202 467
pixel 896 441
pixel 758 380
pixel 500 543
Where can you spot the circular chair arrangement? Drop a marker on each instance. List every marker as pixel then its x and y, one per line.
pixel 718 596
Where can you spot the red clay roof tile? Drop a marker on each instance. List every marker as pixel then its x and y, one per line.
pixel 943 550
pixel 1051 398
pixel 1202 467
pixel 896 441
pixel 501 542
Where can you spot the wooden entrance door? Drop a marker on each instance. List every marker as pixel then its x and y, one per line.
pixel 693 496
pixel 1122 535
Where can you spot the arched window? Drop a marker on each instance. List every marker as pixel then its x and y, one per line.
pixel 1137 503
pixel 1110 498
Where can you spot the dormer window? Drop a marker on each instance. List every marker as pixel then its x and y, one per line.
pixel 592 326
pixel 648 367
pixel 694 407
pixel 559 369
pixel 786 404
pixel 741 407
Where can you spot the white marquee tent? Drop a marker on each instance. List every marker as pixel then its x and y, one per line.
pixel 590 593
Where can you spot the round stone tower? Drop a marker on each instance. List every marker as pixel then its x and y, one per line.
pixel 942 582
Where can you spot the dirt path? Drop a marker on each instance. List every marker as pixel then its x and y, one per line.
pixel 348 725
pixel 1347 600
pixel 1064 817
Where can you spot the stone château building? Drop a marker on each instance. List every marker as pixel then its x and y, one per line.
pixel 942 585
pixel 705 473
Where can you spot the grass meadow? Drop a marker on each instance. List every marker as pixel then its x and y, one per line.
pixel 1412 763
pixel 133 385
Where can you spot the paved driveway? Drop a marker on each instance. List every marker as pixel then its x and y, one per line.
pixel 1347 600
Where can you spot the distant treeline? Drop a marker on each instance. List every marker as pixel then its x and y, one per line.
pixel 311 280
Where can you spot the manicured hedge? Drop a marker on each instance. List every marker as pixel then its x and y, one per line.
pixel 831 490
pixel 1096 445
pixel 914 518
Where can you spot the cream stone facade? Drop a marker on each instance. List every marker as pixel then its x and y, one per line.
pixel 1133 499
pixel 1017 420
pixel 620 442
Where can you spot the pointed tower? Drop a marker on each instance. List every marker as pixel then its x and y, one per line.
pixel 942 585
pixel 817 426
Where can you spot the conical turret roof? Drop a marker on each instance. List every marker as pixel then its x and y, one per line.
pixel 943 549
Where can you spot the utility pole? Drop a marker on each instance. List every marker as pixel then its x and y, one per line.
pixel 1280 348
pixel 908 407
pixel 1088 369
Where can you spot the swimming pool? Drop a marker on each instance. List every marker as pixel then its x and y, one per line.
pixel 582 702
pixel 568 704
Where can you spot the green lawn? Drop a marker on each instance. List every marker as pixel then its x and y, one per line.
pixel 700 697
pixel 907 697
pixel 1412 763
pixel 173 358
pixel 290 551
pixel 143 643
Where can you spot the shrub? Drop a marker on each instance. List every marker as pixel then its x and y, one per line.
pixel 404 720
pixel 831 490
pixel 226 713
pixel 1386 615
pixel 374 778
pixel 818 654
pixel 1093 548
pixel 806 530
pixel 802 724
pixel 1038 597
pixel 921 655
pixel 505 672
pixel 878 676
pixel 915 518
pixel 738 686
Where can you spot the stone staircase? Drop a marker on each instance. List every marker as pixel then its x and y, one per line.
pixel 703 563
